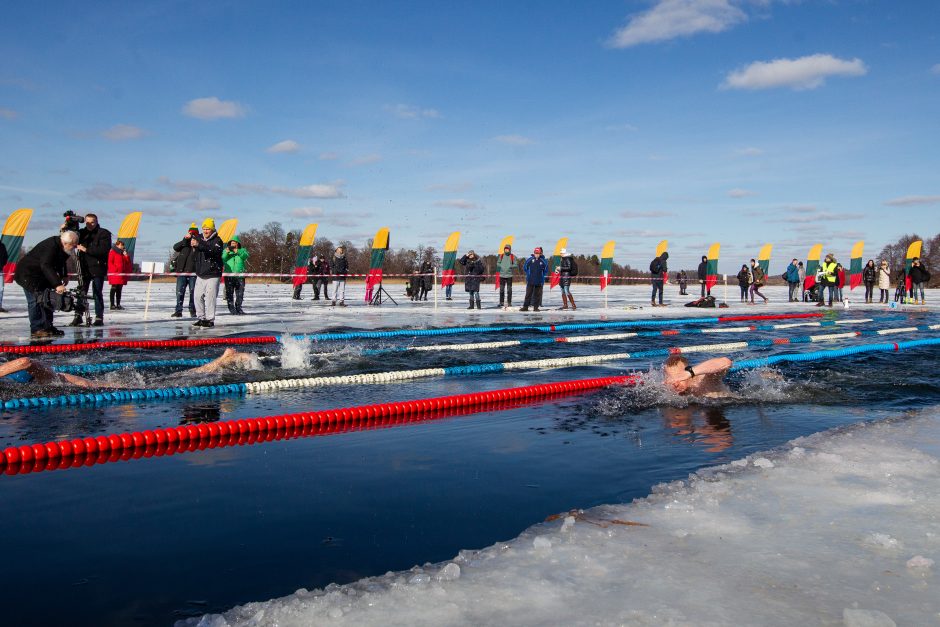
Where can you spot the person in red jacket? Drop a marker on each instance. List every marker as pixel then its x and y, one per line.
pixel 119 266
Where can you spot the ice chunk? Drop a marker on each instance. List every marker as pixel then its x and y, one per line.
pixel 541 542
pixel 866 618
pixel 451 572
pixel 919 563
pixel 763 462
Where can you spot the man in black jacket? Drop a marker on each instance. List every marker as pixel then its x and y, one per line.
pixel 185 264
pixel 43 268
pixel 94 244
pixel 703 275
pixel 207 248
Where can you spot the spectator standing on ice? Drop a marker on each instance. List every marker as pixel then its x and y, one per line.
pixel 703 275
pixel 869 276
pixel 826 279
pixel 802 270
pixel 659 270
pixel 683 280
pixel 207 247
pixel 94 244
pixel 505 268
pixel 884 281
pixel 793 280
pixel 426 272
pixel 320 277
pixel 340 266
pixel 758 277
pixel 567 269
pixel 234 258
pixel 4 257
pixel 119 266
pixel 919 279
pixel 474 271
pixel 840 282
pixel 43 268
pixel 536 270
pixel 185 264
pixel 744 281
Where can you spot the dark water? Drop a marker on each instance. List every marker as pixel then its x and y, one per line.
pixel 154 540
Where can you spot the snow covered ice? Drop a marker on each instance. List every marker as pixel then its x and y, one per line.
pixel 838 528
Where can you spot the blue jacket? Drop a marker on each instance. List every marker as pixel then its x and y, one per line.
pixel 793 273
pixel 536 270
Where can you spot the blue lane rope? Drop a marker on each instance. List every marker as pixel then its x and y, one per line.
pixel 832 353
pixel 110 367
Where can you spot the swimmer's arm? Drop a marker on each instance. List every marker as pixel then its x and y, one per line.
pixel 716 366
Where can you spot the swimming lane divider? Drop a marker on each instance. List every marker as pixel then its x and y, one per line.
pixel 24 349
pixel 89 451
pixel 260 387
pixel 833 353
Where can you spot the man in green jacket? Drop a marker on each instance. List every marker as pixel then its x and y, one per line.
pixel 234 257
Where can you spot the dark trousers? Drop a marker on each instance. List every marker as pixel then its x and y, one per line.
pixel 658 288
pixel 883 297
pixel 97 290
pixel 869 291
pixel 317 285
pixel 743 292
pixel 533 296
pixel 116 294
pixel 40 316
pixel 822 291
pixel 234 293
pixel 505 290
pixel 181 283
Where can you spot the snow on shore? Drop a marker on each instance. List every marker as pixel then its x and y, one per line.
pixel 836 528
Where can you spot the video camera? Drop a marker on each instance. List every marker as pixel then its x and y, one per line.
pixel 72 220
pixel 70 300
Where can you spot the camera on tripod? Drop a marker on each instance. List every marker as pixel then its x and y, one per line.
pixel 72 220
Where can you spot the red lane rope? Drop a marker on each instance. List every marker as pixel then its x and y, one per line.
pixel 103 449
pixel 814 314
pixel 72 348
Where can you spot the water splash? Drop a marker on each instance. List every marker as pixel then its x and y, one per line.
pixel 294 353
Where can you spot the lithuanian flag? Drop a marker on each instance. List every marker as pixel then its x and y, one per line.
pixel 128 232
pixel 812 266
pixel 13 232
pixel 449 260
pixel 711 266
pixel 303 254
pixel 607 262
pixel 556 261
pixel 379 246
pixel 855 269
pixel 763 259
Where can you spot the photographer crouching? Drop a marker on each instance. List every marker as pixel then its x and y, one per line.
pixel 94 244
pixel 42 275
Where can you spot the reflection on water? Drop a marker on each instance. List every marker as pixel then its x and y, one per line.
pixel 701 425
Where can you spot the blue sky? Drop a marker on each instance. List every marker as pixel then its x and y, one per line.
pixel 739 121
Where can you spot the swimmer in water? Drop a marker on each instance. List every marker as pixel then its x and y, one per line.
pixel 705 379
pixel 26 370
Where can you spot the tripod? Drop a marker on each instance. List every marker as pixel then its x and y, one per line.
pixel 377 298
pixel 82 294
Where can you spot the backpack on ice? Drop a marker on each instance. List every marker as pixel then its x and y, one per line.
pixel 705 301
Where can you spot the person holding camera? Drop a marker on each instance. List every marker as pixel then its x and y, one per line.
pixel 185 264
pixel 94 245
pixel 40 270
pixel 234 258
pixel 207 247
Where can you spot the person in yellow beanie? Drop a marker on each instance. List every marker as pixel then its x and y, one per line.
pixel 208 268
pixel 183 262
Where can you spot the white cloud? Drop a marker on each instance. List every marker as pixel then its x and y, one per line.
pixel 513 140
pixel 627 215
pixel 288 145
pixel 366 159
pixel 807 72
pixel 455 188
pixel 910 201
pixel 750 151
pixel 740 193
pixel 123 132
pixel 669 19
pixel 205 204
pixel 105 191
pixel 188 186
pixel 7 114
pixel 213 109
pixel 306 212
pixel 457 203
pixel 328 156
pixel 411 112
pixel 325 190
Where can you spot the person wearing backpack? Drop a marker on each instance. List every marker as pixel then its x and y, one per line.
pixel 869 273
pixel 659 270
pixel 567 269
pixel 703 276
pixel 185 264
pixel 758 279
pixel 744 281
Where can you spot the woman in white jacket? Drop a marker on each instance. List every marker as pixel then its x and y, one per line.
pixel 884 282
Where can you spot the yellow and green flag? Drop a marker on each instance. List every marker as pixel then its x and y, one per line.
pixel 227 230
pixel 449 261
pixel 607 262
pixel 13 233
pixel 303 254
pixel 506 241
pixel 128 232
pixel 913 251
pixel 379 247
pixel 812 266
pixel 763 259
pixel 556 261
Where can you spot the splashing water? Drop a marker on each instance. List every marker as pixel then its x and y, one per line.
pixel 294 354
